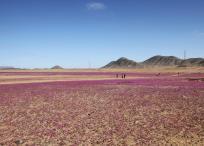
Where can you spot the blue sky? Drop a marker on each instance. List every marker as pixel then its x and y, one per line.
pixel 80 33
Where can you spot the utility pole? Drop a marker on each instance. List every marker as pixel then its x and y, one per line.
pixel 184 55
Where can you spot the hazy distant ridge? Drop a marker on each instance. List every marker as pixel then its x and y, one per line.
pixel 7 67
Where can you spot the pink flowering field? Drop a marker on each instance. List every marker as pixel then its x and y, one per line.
pixel 143 109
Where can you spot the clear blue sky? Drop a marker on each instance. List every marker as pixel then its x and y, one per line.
pixel 76 33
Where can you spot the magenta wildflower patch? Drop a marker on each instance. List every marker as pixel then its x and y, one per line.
pixel 140 111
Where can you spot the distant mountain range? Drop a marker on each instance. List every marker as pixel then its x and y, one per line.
pixel 156 61
pixel 7 67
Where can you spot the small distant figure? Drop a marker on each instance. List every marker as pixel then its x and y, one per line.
pixel 178 74
pixel 116 75
pixel 123 76
pixel 158 74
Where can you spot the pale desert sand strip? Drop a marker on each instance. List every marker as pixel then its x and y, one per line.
pixel 49 76
pixel 47 81
pixel 62 80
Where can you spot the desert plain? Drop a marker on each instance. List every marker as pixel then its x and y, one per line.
pixel 153 106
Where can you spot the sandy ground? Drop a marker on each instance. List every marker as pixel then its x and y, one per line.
pixel 28 77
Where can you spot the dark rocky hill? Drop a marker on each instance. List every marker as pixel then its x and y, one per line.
pixel 173 61
pixel 122 63
pixel 57 67
pixel 162 61
pixel 193 62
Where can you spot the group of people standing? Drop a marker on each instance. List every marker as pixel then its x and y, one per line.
pixel 123 76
